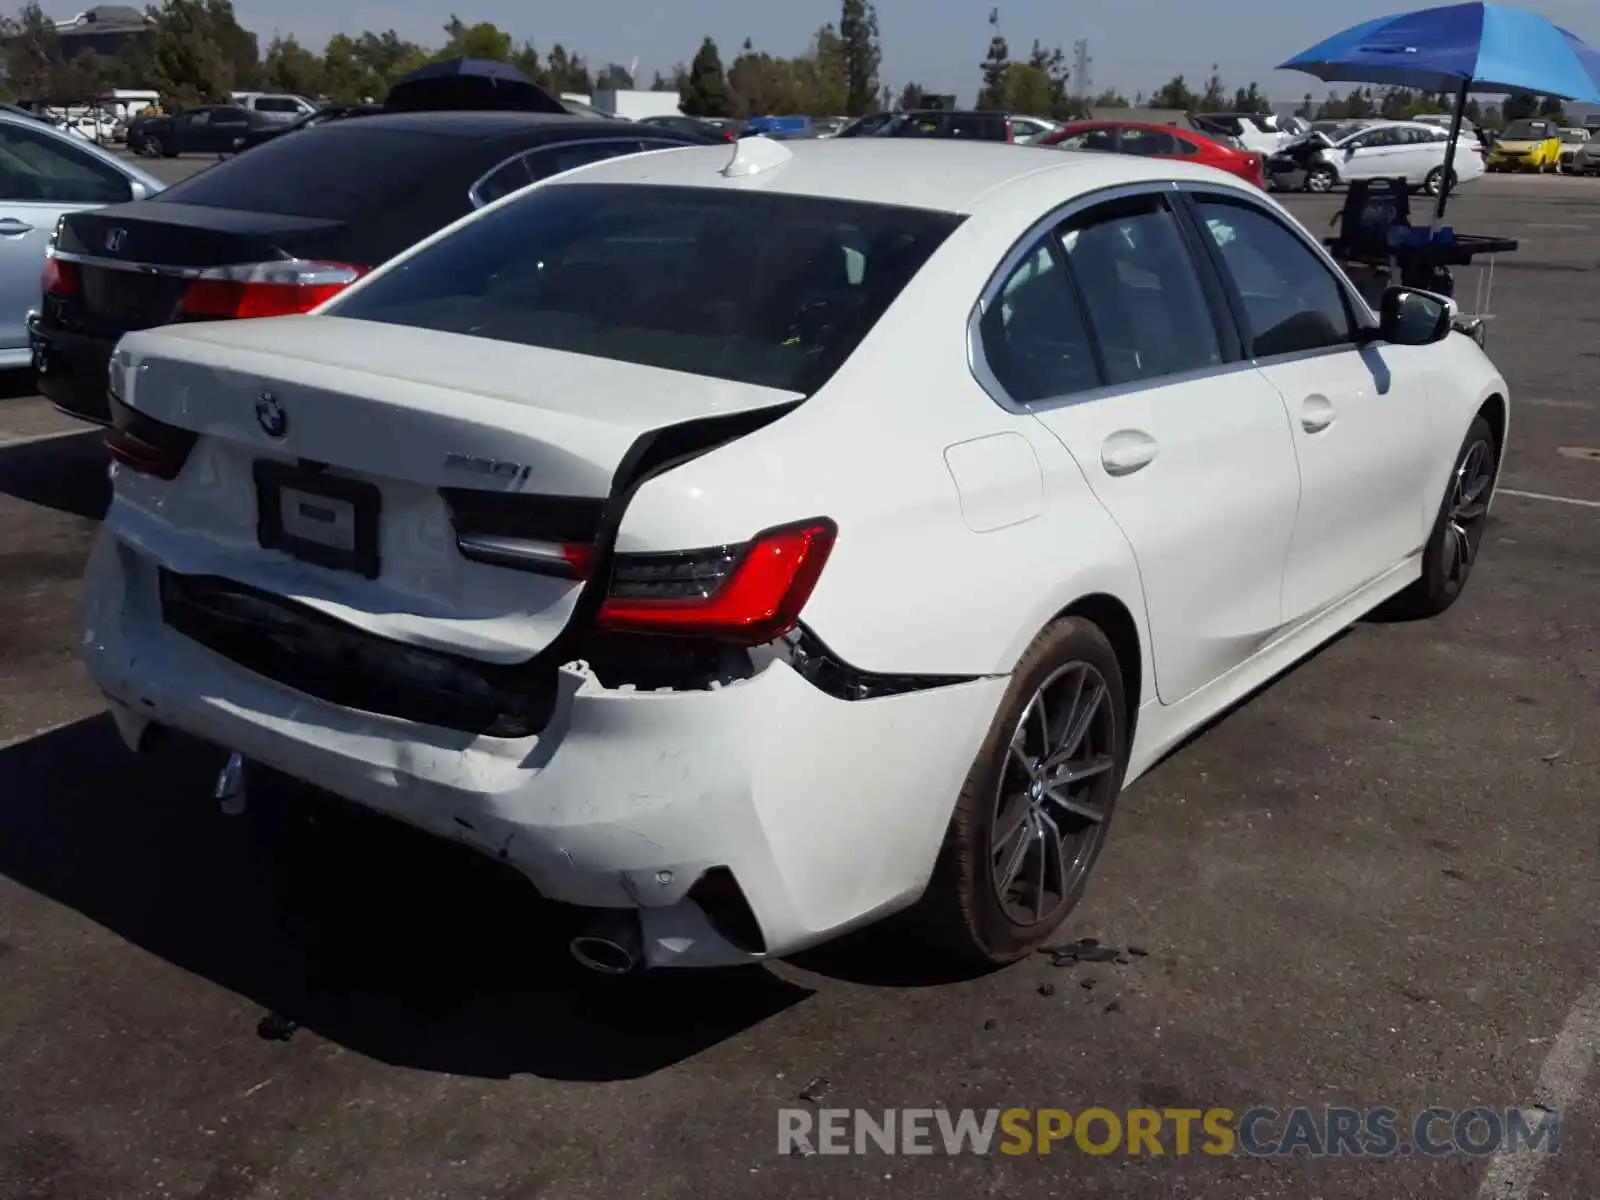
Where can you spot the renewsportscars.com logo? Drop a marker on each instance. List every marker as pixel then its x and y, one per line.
pixel 1258 1132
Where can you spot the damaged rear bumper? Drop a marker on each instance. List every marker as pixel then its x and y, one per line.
pixel 827 812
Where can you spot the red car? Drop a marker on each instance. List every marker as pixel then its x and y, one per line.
pixel 1157 141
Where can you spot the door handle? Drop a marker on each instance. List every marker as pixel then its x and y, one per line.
pixel 1316 414
pixel 1127 451
pixel 11 227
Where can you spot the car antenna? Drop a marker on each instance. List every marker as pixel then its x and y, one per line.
pixel 756 153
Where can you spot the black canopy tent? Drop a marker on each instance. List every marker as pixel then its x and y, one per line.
pixel 472 84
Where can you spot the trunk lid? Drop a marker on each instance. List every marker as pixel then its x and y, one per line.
pixel 137 260
pixel 427 452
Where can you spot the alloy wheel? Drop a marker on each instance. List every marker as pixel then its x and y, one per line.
pixel 1054 795
pixel 1468 511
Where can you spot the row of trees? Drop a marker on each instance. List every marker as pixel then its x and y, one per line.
pixel 197 52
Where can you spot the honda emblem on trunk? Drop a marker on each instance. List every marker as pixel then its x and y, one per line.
pixel 115 238
pixel 271 415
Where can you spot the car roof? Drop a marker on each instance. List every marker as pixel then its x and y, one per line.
pixel 468 125
pixel 936 173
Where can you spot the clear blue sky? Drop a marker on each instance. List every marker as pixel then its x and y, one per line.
pixel 1136 44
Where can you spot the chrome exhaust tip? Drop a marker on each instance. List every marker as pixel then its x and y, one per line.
pixel 611 946
pixel 230 791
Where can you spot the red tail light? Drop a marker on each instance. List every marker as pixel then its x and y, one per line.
pixel 271 289
pixel 147 445
pixel 60 277
pixel 746 594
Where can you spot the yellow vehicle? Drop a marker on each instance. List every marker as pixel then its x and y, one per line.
pixel 1527 145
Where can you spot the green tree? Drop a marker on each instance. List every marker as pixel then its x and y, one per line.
pixel 1250 100
pixel 819 76
pixel 1307 109
pixel 188 64
pixel 614 78
pixel 290 67
pixel 387 58
pixel 911 96
pixel 1215 97
pixel 1551 108
pixel 1110 98
pixel 1175 94
pixel 32 53
pixel 347 78
pixel 1028 91
pixel 1052 64
pixel 483 40
pixel 996 63
pixel 238 45
pixel 1520 105
pixel 704 90
pixel 670 82
pixel 863 56
pixel 566 72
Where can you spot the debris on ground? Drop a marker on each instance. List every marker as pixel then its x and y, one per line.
pixel 816 1091
pixel 1047 989
pixel 275 1028
pixel 1138 952
pixel 1083 950
pixel 991 1025
pixel 1114 1007
pixel 1087 984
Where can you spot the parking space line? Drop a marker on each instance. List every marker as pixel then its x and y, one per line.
pixel 1549 499
pixel 1512 1171
pixel 29 439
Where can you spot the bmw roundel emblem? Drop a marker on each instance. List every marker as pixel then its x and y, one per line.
pixel 270 413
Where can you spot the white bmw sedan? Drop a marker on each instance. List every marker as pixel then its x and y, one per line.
pixel 748 542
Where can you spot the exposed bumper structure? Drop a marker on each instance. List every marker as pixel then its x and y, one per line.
pixel 827 813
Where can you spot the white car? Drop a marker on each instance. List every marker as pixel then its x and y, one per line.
pixel 1261 133
pixel 1027 130
pixel 748 542
pixel 1410 150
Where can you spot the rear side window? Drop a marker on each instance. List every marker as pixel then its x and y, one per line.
pixel 276 104
pixel 331 172
pixel 1034 337
pixel 759 288
pixel 1154 143
pixel 1144 296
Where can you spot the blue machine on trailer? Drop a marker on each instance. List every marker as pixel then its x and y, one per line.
pixel 778 126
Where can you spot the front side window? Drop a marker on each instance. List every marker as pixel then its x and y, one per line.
pixel 1034 337
pixel 762 288
pixel 37 167
pixel 1143 292
pixel 276 104
pixel 1292 302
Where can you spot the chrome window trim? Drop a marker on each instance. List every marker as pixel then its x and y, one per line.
pixel 1360 310
pixel 139 268
pixel 978 364
pixel 645 144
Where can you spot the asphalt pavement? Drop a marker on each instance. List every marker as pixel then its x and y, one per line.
pixel 1373 884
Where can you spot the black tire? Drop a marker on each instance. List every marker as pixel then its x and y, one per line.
pixel 152 147
pixel 1430 185
pixel 963 910
pixel 1460 517
pixel 1321 179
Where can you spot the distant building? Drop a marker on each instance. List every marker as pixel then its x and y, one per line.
pixel 105 29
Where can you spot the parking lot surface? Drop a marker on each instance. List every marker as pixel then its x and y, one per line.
pixel 1371 885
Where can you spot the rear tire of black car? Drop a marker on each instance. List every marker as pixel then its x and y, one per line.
pixel 152 147
pixel 1068 688
pixel 1321 179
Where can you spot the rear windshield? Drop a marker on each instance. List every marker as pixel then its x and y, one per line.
pixel 331 172
pixel 761 288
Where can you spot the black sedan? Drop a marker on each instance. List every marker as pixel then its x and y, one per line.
pixel 333 112
pixel 284 227
pixel 214 129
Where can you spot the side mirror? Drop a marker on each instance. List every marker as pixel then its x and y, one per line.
pixel 1408 317
pixel 137 190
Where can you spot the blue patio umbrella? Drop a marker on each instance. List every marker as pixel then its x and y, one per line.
pixel 1455 49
